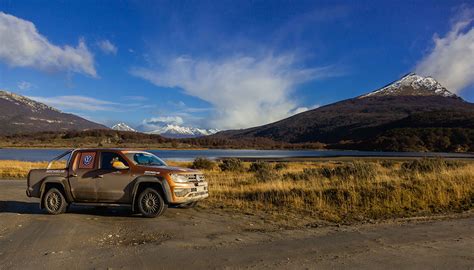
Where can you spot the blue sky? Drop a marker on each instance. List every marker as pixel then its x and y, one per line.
pixel 225 64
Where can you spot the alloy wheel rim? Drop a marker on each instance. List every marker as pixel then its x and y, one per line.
pixel 150 203
pixel 54 202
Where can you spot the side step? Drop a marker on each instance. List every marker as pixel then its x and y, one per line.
pixel 101 204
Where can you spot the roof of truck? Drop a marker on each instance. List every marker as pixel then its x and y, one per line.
pixel 108 149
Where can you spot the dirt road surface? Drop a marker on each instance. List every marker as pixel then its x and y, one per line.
pixel 90 238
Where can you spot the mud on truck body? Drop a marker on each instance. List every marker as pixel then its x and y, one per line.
pixel 115 177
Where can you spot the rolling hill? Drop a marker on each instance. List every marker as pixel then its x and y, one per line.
pixel 19 114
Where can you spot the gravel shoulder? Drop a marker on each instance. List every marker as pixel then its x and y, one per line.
pixel 86 238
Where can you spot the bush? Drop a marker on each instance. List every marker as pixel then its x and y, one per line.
pixel 306 174
pixel 203 163
pixel 360 170
pixel 387 163
pixel 426 165
pixel 280 166
pixel 262 170
pixel 231 165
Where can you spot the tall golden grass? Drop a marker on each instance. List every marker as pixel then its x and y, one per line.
pixel 331 190
pixel 350 191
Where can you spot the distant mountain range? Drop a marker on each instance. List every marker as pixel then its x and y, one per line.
pixel 19 114
pixel 412 113
pixel 171 131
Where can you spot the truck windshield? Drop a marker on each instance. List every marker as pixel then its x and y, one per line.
pixel 142 158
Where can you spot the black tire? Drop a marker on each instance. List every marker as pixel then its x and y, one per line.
pixel 151 203
pixel 188 205
pixel 54 202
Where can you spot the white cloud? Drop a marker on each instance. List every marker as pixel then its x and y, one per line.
pixel 24 85
pixel 451 61
pixel 303 109
pixel 23 46
pixel 155 123
pixel 107 47
pixel 245 91
pixel 176 120
pixel 81 103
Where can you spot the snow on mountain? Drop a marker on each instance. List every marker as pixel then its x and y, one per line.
pixel 412 85
pixel 34 106
pixel 123 127
pixel 20 114
pixel 176 131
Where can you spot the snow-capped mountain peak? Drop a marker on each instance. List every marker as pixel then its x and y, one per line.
pixel 412 85
pixel 123 127
pixel 176 131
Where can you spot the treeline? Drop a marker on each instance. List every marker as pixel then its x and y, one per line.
pixel 113 138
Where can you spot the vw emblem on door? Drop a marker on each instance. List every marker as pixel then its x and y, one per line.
pixel 87 160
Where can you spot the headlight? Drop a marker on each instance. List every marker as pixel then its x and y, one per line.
pixel 178 178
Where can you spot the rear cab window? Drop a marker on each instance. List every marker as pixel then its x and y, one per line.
pixel 85 160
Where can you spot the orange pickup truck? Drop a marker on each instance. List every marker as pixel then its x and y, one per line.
pixel 115 177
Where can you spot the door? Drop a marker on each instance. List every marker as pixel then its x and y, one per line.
pixel 82 178
pixel 113 185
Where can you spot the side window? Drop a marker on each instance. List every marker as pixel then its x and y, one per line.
pixel 87 160
pixel 60 162
pixel 107 158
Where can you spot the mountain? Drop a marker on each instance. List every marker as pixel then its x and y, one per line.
pixel 19 114
pixel 176 131
pixel 360 121
pixel 123 127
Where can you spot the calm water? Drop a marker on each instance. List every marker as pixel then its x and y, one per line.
pixel 186 155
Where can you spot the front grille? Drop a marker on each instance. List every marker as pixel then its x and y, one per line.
pixel 195 177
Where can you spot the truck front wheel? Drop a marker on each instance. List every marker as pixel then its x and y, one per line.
pixel 151 203
pixel 54 202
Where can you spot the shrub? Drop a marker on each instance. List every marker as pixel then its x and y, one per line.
pixel 279 166
pixel 232 165
pixel 426 165
pixel 203 163
pixel 306 174
pixel 387 163
pixel 262 170
pixel 360 170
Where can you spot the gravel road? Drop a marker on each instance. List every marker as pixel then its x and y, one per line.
pixel 91 238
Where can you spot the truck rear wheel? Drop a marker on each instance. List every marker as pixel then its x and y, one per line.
pixel 54 202
pixel 151 203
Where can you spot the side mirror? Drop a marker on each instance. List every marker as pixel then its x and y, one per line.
pixel 119 165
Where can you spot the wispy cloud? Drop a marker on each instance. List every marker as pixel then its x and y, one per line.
pixel 23 85
pixel 136 98
pixel 77 103
pixel 155 123
pixel 244 91
pixel 451 61
pixel 107 47
pixel 23 46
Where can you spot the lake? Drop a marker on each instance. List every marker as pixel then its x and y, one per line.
pixel 187 155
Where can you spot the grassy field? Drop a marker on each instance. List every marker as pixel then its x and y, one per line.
pixel 336 191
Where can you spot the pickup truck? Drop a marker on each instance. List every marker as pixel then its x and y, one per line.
pixel 115 177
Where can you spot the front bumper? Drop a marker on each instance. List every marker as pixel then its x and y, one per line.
pixel 190 192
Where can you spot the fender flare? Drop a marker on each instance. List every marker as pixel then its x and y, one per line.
pixel 55 180
pixel 165 187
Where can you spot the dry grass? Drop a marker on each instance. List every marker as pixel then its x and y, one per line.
pixel 332 191
pixel 345 192
pixel 14 169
